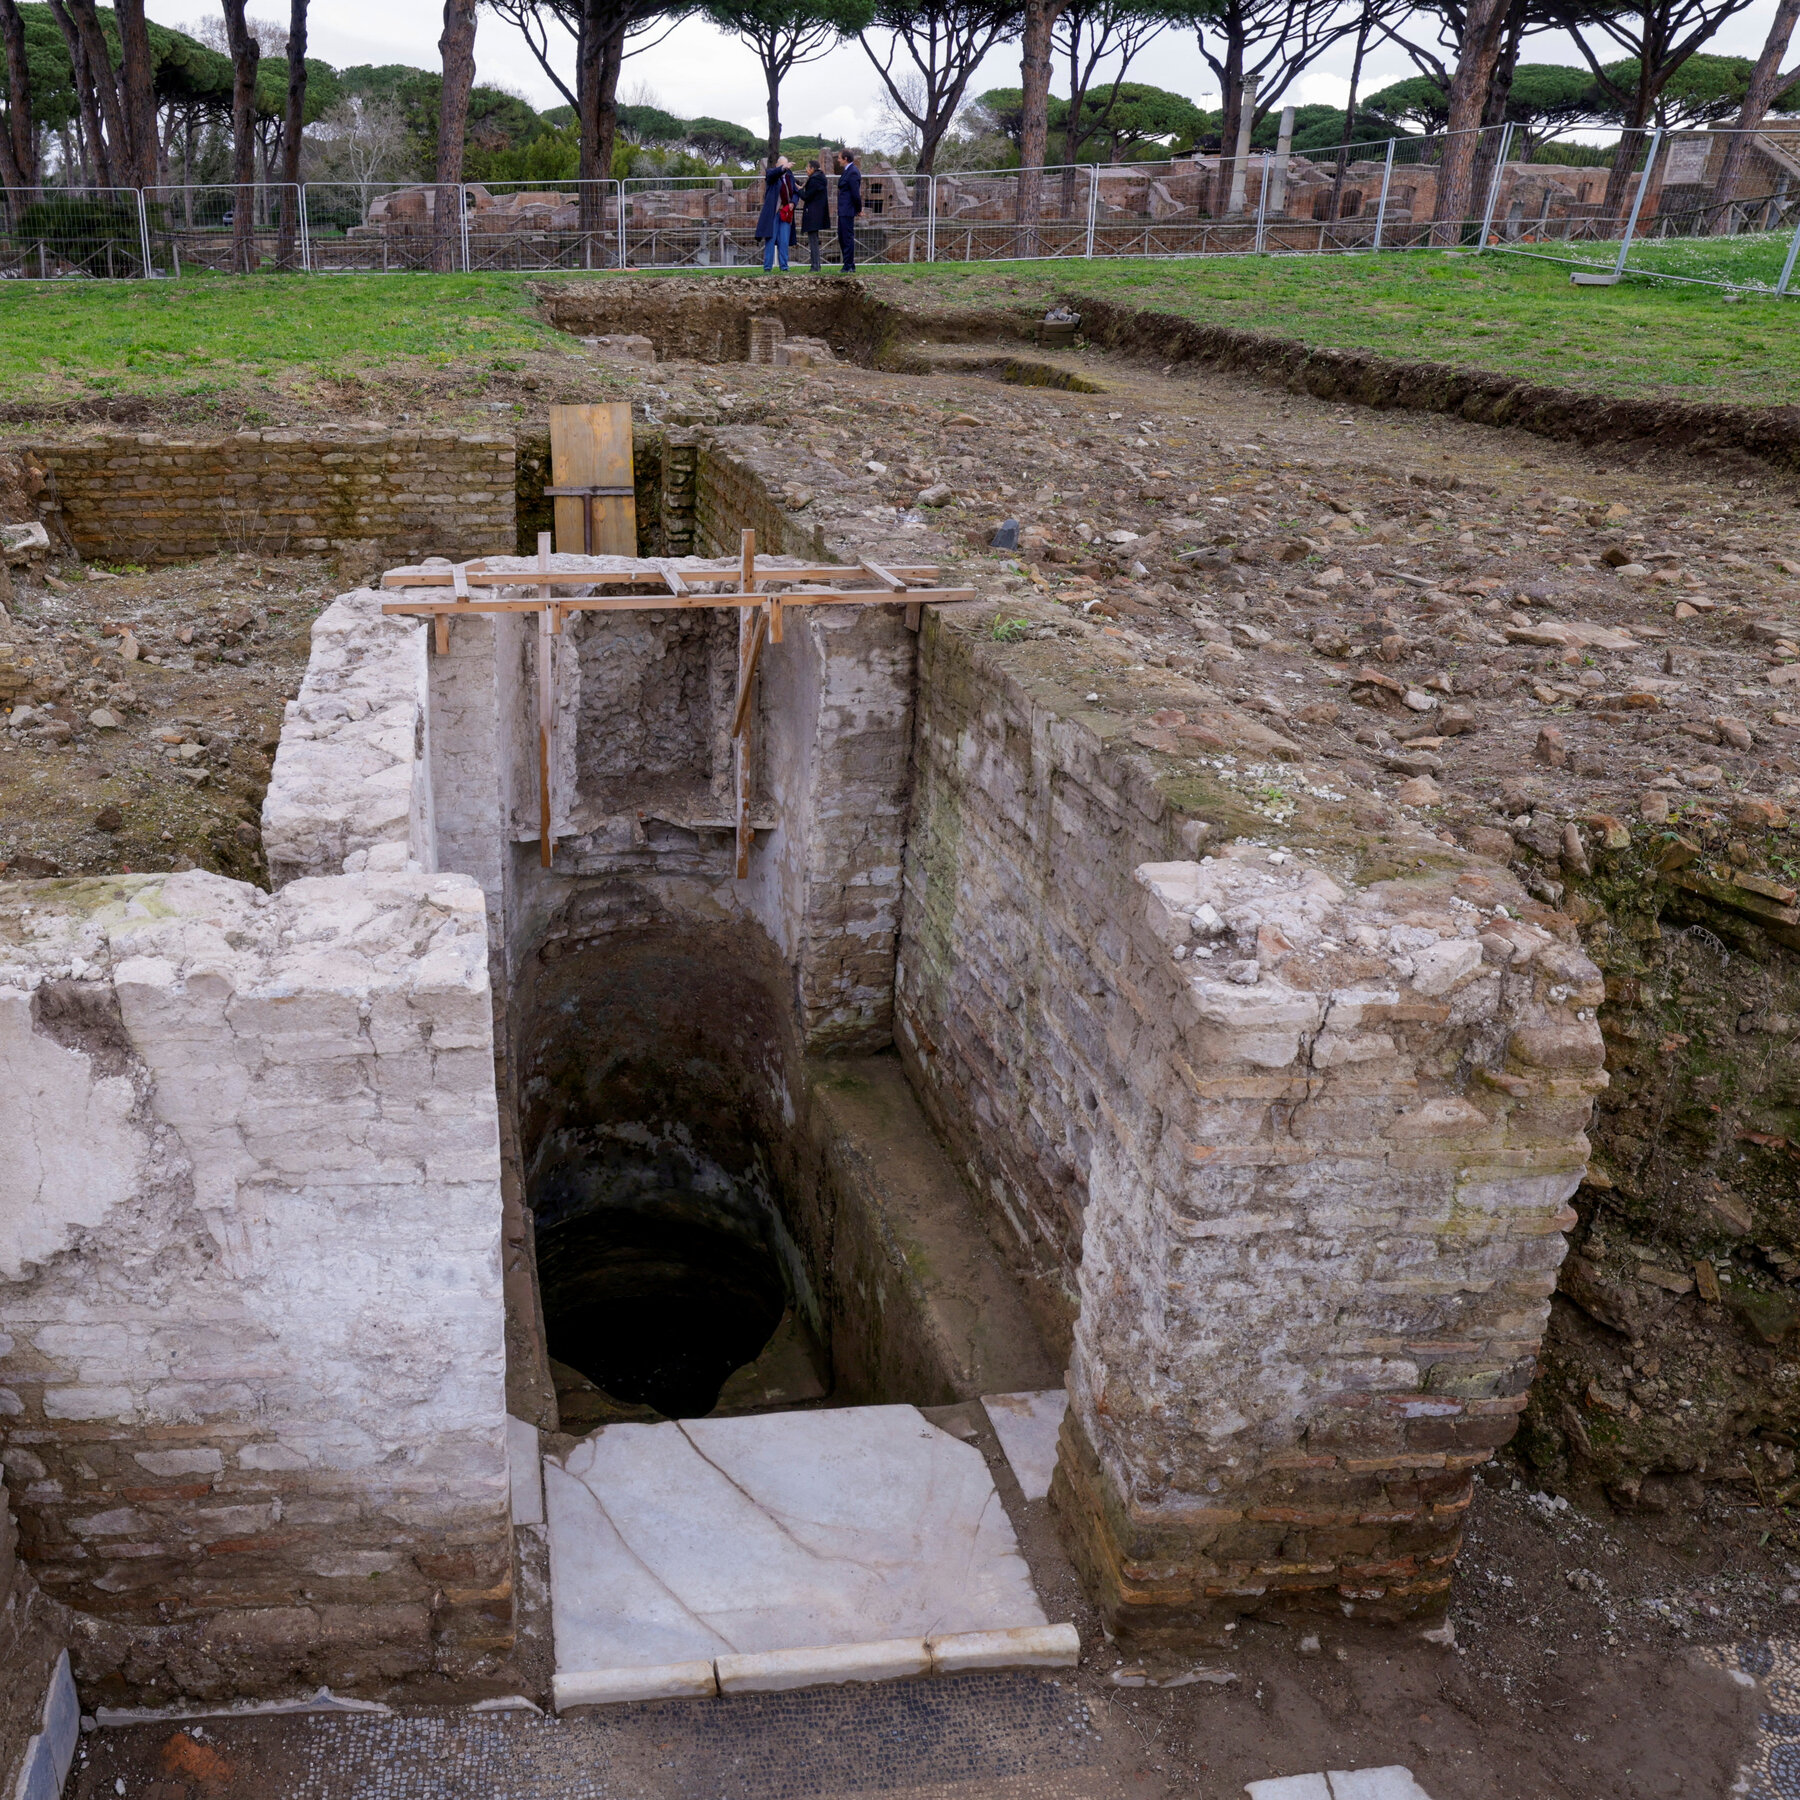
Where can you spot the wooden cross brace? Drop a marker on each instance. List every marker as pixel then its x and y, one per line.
pixel 760 596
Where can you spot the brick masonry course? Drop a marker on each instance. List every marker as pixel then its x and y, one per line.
pixel 366 495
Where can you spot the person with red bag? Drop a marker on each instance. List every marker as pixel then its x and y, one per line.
pixel 775 223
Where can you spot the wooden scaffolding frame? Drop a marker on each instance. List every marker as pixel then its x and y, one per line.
pixel 761 595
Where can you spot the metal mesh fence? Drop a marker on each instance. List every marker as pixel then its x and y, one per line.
pixel 1712 205
pixel 55 234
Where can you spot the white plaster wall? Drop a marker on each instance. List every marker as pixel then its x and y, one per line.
pixel 256 1242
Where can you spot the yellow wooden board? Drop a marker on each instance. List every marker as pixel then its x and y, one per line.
pixel 590 446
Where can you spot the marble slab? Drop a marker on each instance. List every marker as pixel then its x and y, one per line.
pixel 720 1537
pixel 525 1465
pixel 1027 1426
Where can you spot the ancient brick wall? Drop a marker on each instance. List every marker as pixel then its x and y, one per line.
pixel 1287 1150
pixel 250 1428
pixel 367 495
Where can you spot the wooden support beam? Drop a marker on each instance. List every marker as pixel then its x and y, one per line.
pixel 441 633
pixel 677 586
pixel 546 724
pixel 666 602
pixel 747 578
pixel 774 618
pixel 887 577
pixel 750 643
pixel 480 577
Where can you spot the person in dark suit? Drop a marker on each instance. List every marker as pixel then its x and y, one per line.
pixel 850 205
pixel 775 223
pixel 815 208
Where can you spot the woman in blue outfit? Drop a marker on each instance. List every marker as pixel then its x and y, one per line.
pixel 775 223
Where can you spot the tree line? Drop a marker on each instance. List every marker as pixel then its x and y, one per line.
pixel 113 97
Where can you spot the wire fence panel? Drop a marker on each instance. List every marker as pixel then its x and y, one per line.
pixel 1715 206
pixel 381 225
pixel 56 234
pixel 195 229
pixel 546 225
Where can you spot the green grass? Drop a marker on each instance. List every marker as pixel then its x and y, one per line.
pixel 216 338
pixel 1509 313
pixel 62 341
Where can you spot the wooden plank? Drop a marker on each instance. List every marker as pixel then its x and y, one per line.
pixel 886 577
pixel 650 578
pixel 590 446
pixel 747 661
pixel 677 586
pixel 747 573
pixel 424 609
pixel 546 720
pixel 441 623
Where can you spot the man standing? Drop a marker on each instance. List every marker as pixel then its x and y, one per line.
pixel 850 205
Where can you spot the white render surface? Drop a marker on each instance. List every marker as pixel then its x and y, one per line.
pixel 351 790
pixel 1027 1426
pixel 786 1531
pixel 282 1233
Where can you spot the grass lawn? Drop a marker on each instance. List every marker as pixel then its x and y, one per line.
pixel 62 341
pixel 300 336
pixel 1509 313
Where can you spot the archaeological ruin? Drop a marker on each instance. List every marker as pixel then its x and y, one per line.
pixel 747 965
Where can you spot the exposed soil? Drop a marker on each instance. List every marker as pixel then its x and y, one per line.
pixel 143 712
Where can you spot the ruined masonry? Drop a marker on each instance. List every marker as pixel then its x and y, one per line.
pixel 1272 1156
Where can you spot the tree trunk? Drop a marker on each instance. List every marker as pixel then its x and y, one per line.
pixel 589 55
pixel 245 54
pixel 1231 101
pixel 96 165
pixel 1343 155
pixel 120 158
pixel 772 72
pixel 293 127
pixel 1484 30
pixel 1766 82
pixel 1034 124
pixel 21 134
pixel 1624 167
pixel 457 48
pixel 138 93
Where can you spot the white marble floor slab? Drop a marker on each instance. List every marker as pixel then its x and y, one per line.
pixel 710 1537
pixel 1027 1425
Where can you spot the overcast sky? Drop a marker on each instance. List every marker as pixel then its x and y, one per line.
pixel 698 70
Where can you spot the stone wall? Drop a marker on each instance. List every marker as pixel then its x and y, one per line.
pixel 29 1649
pixel 1285 1142
pixel 351 785
pixel 248 1428
pixel 387 495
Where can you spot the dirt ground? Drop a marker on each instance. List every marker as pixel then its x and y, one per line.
pixel 1553 658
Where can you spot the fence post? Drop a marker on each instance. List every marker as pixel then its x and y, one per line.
pixel 1093 206
pixel 620 210
pixel 1387 176
pixel 305 232
pixel 1262 204
pixel 1637 201
pixel 931 218
pixel 1787 268
pixel 1493 198
pixel 462 223
pixel 144 232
